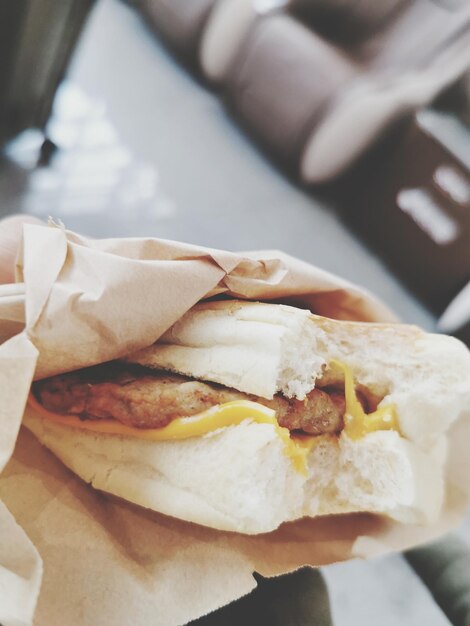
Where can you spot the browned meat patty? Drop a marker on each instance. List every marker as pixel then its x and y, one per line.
pixel 321 412
pixel 138 397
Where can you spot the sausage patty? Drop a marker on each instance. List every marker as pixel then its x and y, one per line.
pixel 143 398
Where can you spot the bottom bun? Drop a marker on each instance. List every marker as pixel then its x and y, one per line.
pixel 239 479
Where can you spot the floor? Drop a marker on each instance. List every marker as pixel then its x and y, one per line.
pixel 147 150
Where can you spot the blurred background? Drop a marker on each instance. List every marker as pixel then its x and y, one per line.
pixel 336 130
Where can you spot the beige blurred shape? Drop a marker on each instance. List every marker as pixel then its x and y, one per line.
pixel 11 229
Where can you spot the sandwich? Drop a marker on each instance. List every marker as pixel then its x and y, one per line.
pixel 245 415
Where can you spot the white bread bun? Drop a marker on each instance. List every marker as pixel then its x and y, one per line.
pixel 238 478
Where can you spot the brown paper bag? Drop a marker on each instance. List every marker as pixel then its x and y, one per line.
pixel 105 560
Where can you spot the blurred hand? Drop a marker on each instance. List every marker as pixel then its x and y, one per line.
pixel 10 234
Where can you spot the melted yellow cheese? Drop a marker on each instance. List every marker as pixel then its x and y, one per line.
pixel 220 416
pixel 358 423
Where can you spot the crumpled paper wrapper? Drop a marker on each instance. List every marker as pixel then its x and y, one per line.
pixel 106 561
